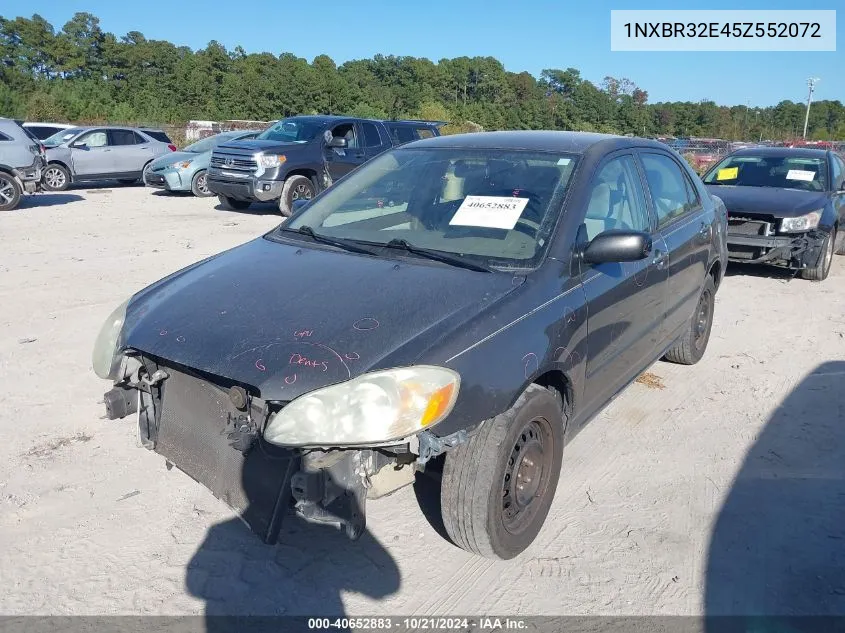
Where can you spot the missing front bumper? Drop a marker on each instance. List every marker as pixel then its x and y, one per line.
pixel 797 252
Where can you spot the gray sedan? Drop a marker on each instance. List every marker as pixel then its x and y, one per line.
pixel 186 170
pixel 101 153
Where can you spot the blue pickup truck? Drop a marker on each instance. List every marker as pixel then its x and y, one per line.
pixel 298 157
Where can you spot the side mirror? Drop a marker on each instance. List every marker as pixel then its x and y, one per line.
pixel 79 145
pixel 298 204
pixel 618 246
pixel 338 142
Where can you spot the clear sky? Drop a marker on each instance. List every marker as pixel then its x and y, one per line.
pixel 524 35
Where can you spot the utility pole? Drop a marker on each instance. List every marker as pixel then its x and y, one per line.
pixel 811 83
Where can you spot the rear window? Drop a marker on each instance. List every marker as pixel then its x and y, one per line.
pixel 158 135
pixel 42 132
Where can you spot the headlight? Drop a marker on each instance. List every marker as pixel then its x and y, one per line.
pixel 182 164
pixel 377 407
pixel 269 160
pixel 801 223
pixel 105 359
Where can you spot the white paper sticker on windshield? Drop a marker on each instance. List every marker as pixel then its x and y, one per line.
pixel 495 212
pixel 800 174
pixel 564 161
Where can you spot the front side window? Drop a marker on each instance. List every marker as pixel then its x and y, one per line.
pixel 495 206
pixel 838 168
pixel 95 139
pixel 347 131
pixel 616 199
pixel 669 187
pixel 785 172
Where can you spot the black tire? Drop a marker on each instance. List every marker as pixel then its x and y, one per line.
pixel 691 346
pixel 231 204
pixel 199 185
pixel 55 177
pixel 822 269
pixel 10 192
pixel 295 188
pixel 481 507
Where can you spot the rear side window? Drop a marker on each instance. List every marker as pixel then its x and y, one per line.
pixel 158 135
pixel 425 132
pixel 3 137
pixel 671 191
pixel 371 135
pixel 400 134
pixel 123 137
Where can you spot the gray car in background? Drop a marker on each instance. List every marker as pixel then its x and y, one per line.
pixel 187 169
pixel 21 162
pixel 101 153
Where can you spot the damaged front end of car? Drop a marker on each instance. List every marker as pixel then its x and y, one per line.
pixel 782 242
pixel 321 455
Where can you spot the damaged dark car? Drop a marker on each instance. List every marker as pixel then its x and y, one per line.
pixel 785 207
pixel 467 303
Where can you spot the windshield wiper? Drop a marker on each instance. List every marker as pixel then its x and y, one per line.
pixel 345 245
pixel 452 260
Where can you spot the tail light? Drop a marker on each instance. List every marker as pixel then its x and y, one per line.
pixel 172 147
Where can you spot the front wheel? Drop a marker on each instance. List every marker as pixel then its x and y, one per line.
pixel 231 204
pixel 199 185
pixel 55 178
pixel 497 488
pixel 295 188
pixel 10 192
pixel 692 345
pixel 821 270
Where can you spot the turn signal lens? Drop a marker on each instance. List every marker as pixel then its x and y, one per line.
pixel 438 404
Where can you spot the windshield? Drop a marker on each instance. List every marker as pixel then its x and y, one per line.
pixel 494 206
pixel 294 130
pixel 785 172
pixel 61 136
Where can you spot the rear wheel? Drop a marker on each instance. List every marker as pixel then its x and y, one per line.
pixel 55 178
pixel 822 269
pixel 497 488
pixel 10 192
pixel 691 347
pixel 231 204
pixel 199 185
pixel 295 188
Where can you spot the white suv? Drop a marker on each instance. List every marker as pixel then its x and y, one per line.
pixel 21 163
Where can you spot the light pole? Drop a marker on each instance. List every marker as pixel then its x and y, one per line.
pixel 811 83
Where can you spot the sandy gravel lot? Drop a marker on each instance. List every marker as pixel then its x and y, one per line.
pixel 717 488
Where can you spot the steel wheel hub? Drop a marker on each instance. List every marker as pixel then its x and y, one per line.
pixel 702 318
pixel 302 192
pixel 525 477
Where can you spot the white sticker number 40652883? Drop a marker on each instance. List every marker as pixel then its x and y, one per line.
pixel 495 212
pixel 800 174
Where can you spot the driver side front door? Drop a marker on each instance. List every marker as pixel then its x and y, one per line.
pixel 341 161
pixel 625 301
pixel 91 154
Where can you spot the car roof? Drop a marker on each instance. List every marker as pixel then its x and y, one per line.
pixel 538 140
pixel 797 152
pixel 61 125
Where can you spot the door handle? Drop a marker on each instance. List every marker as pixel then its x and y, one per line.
pixel 659 259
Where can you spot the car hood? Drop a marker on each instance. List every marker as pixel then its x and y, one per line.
pixel 256 145
pixel 286 318
pixel 781 203
pixel 174 157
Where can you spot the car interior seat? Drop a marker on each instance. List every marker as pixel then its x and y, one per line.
pixel 655 185
pixel 598 216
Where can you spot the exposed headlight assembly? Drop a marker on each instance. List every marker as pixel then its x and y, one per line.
pixel 183 164
pixel 269 160
pixel 105 359
pixel 375 408
pixel 801 223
